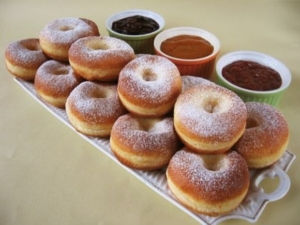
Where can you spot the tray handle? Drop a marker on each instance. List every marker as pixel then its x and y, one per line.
pixel 272 172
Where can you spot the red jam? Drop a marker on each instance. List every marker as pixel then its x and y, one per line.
pixel 186 47
pixel 252 76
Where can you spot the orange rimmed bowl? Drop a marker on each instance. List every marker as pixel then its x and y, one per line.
pixel 201 67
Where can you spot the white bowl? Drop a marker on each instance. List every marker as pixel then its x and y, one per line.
pixel 271 97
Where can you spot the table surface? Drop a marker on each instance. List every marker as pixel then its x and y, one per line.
pixel 50 175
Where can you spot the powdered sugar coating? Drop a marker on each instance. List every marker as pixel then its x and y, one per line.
pixel 66 31
pixel 100 58
pixel 97 50
pixel 57 37
pixel 26 53
pixel 146 135
pixel 210 113
pixel 149 85
pixel 56 79
pixel 95 103
pixel 266 135
pixel 196 175
pixel 159 89
pixel 269 119
pixel 144 143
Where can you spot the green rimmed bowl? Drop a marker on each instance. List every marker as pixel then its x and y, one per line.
pixel 141 44
pixel 272 97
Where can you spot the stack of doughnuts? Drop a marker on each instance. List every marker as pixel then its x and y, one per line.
pixel 203 136
pixel 206 175
pixel 92 57
pixel 145 138
pixel 224 138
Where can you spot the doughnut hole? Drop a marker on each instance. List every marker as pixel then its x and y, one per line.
pixel 32 46
pixel 96 45
pixel 214 162
pixel 147 125
pixel 60 71
pixel 66 28
pixel 215 105
pixel 149 75
pixel 99 93
pixel 251 123
pixel 211 105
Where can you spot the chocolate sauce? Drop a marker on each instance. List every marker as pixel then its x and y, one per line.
pixel 135 25
pixel 252 76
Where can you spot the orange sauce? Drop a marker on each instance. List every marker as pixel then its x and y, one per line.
pixel 186 47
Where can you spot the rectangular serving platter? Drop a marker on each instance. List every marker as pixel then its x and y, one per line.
pixel 250 209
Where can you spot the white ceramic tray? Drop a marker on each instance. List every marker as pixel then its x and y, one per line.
pixel 250 209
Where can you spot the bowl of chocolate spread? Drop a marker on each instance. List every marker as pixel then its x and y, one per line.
pixel 254 76
pixel 137 27
pixel 193 50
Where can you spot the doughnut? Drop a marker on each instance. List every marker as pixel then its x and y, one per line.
pixel 189 81
pixel 54 82
pixel 57 36
pixel 100 58
pixel 24 57
pixel 144 143
pixel 266 136
pixel 149 86
pixel 208 184
pixel 209 118
pixel 92 108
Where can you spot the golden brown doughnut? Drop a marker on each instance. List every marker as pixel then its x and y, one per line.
pixel 24 57
pixel 57 37
pixel 100 58
pixel 54 82
pixel 266 136
pixel 92 108
pixel 208 184
pixel 149 86
pixel 209 118
pixel 144 143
